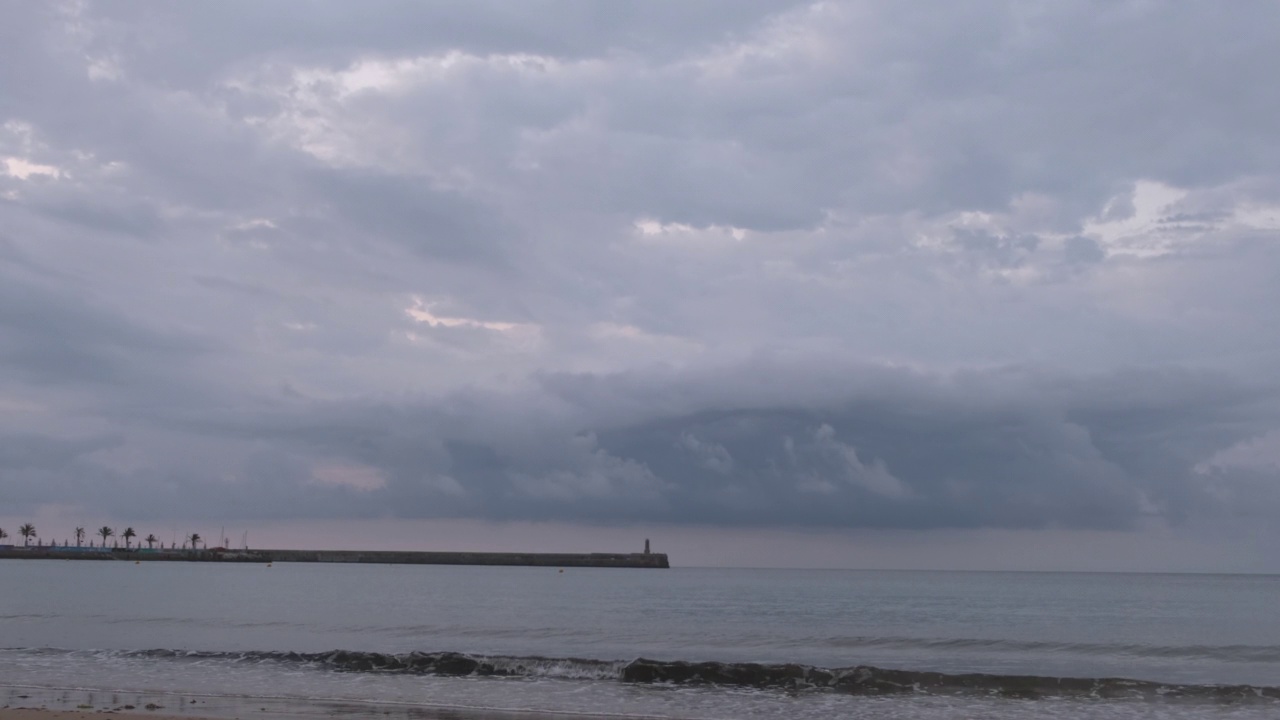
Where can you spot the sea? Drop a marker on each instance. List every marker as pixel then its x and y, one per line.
pixel 349 640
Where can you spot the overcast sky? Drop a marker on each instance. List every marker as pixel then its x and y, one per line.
pixel 927 284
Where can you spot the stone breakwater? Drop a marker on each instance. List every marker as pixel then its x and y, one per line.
pixel 621 560
pixel 391 557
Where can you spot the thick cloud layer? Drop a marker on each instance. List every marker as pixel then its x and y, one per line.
pixel 831 265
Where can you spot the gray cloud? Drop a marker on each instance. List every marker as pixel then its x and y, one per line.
pixel 863 448
pixel 437 223
pixel 56 338
pixel 837 265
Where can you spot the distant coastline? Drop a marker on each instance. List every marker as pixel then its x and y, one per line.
pixel 392 557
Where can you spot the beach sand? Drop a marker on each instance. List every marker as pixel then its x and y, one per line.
pixel 346 712
pixel 27 703
pixel 31 714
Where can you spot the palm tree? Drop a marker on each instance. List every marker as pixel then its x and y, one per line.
pixel 194 539
pixel 79 536
pixel 150 540
pixel 105 532
pixel 27 532
pixel 3 534
pixel 128 535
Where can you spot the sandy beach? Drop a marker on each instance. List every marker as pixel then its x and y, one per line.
pixel 334 712
pixel 247 713
pixel 29 703
pixel 37 714
pixel 346 712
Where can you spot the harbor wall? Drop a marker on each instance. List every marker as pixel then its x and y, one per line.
pixel 393 557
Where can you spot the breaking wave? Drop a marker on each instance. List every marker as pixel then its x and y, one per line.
pixel 853 680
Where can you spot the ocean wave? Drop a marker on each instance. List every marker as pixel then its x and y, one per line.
pixel 789 677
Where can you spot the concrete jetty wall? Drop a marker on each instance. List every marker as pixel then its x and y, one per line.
pixel 636 560
pixel 616 560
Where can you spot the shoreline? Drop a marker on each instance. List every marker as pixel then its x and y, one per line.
pixel 45 703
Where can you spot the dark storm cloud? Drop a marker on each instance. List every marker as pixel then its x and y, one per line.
pixel 857 447
pixel 841 265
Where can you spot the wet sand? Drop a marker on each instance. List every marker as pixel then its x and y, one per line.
pixel 345 712
pixel 27 714
pixel 36 714
pixel 27 703
pixel 140 714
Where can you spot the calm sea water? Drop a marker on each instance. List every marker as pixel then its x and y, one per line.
pixel 562 640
